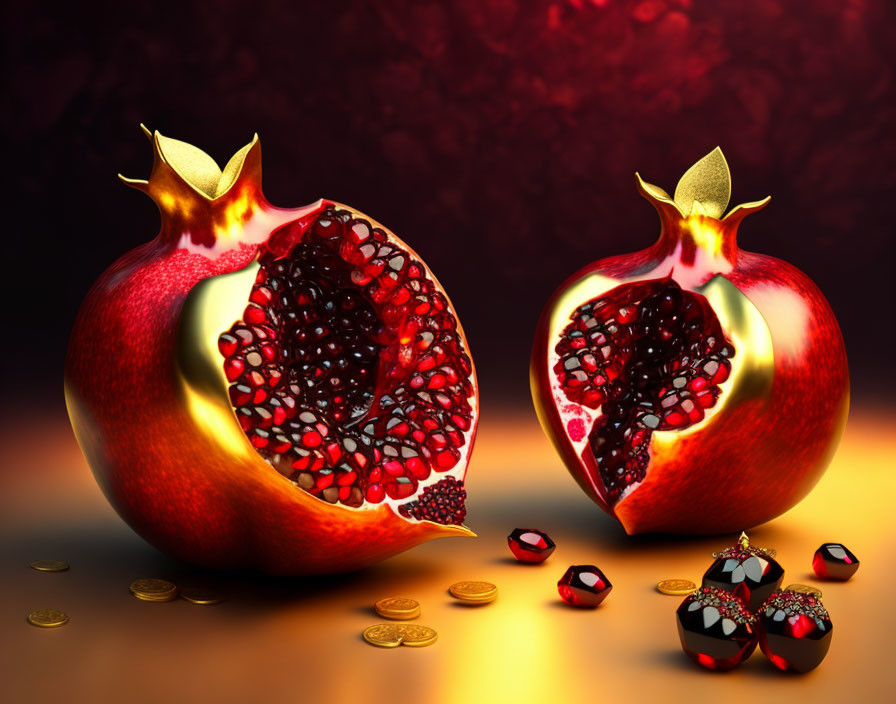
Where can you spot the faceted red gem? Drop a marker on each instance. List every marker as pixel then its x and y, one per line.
pixel 530 545
pixel 716 629
pixel 794 631
pixel 584 585
pixel 834 561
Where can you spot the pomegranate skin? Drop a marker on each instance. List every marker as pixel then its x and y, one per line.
pixel 144 434
pixel 756 455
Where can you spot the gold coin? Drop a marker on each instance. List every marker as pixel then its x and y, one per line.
pixel 416 636
pixel 804 589
pixel 676 587
pixel 49 566
pixel 153 589
pixel 391 635
pixel 383 635
pixel 48 618
pixel 474 592
pixel 202 596
pixel 398 608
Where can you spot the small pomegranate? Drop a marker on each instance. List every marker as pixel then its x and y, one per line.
pixel 257 386
pixel 716 629
pixel 750 572
pixel 692 387
pixel 794 631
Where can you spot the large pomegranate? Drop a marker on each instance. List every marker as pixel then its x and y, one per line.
pixel 692 387
pixel 257 386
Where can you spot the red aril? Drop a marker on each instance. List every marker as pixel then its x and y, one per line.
pixel 692 386
pixel 285 389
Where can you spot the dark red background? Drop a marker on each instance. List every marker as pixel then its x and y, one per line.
pixel 499 138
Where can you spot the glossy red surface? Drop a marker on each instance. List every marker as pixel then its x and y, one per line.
pixel 584 585
pixel 530 545
pixel 715 629
pixel 759 456
pixel 182 490
pixel 834 561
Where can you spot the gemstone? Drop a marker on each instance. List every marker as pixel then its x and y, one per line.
pixel 794 631
pixel 716 629
pixel 750 572
pixel 530 545
pixel 584 585
pixel 834 561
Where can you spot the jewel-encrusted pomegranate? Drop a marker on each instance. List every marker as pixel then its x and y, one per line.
pixel 692 387
pixel 794 631
pixel 716 629
pixel 288 389
pixel 746 570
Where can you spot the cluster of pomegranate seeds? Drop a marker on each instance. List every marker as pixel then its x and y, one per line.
pixel 649 355
pixel 347 371
pixel 443 502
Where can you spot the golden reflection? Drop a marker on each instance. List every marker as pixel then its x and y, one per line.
pixel 212 307
pixel 301 638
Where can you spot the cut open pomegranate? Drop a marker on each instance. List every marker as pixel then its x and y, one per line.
pixel 692 387
pixel 286 389
pixel 651 357
pixel 347 372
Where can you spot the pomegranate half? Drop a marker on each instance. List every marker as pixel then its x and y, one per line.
pixel 287 389
pixel 692 387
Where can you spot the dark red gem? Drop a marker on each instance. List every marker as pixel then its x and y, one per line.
pixel 834 561
pixel 716 629
pixel 750 573
pixel 794 631
pixel 584 585
pixel 530 545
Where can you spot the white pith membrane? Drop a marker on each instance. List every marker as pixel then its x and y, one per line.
pixel 582 409
pixel 348 372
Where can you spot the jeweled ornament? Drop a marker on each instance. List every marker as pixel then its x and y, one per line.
pixel 750 572
pixel 834 561
pixel 584 585
pixel 794 631
pixel 716 629
pixel 692 387
pixel 288 389
pixel 530 545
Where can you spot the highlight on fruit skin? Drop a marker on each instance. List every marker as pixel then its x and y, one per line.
pixel 285 389
pixel 692 387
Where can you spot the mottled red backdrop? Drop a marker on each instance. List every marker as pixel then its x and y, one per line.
pixel 498 137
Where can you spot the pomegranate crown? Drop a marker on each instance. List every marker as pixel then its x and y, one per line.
pixel 198 200
pixel 703 191
pixel 174 160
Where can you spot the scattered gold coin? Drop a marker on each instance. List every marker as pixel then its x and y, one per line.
pixel 391 635
pixel 398 608
pixel 417 636
pixel 804 589
pixel 474 592
pixel 202 596
pixel 676 587
pixel 49 566
pixel 48 618
pixel 153 589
